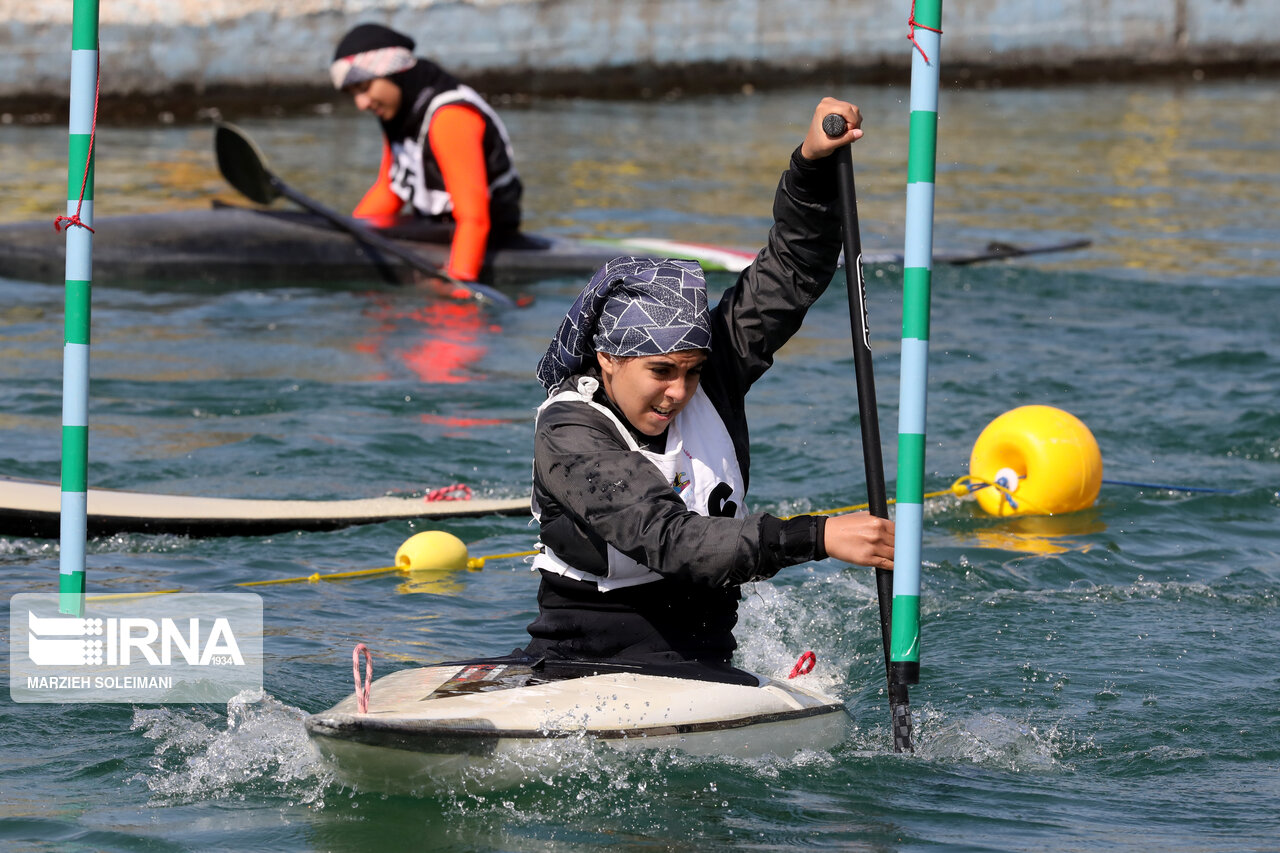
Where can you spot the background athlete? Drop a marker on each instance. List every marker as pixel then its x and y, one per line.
pixel 446 153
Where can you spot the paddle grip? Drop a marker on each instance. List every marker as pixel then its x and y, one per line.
pixel 834 125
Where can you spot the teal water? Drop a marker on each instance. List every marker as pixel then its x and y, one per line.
pixel 1100 680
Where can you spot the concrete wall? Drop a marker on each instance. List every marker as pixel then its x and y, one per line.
pixel 153 47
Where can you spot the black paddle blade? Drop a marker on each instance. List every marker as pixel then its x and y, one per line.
pixel 240 162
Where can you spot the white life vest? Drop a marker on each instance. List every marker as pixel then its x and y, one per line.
pixel 699 462
pixel 412 183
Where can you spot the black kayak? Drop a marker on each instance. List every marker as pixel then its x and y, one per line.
pixel 228 245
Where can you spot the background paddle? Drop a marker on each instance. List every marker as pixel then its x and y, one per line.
pixel 241 163
pixel 877 503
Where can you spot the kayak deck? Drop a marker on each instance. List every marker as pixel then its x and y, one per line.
pixel 32 508
pixel 432 727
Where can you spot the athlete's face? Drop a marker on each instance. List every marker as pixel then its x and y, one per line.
pixel 379 96
pixel 651 390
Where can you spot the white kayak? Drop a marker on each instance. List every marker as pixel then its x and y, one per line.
pixel 33 508
pixel 499 723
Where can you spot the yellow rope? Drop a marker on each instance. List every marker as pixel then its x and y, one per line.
pixel 112 596
pixel 961 488
pixel 857 507
pixel 474 564
pixel 477 563
pixel 964 486
pixel 335 576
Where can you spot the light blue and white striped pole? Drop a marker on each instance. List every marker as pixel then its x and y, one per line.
pixel 926 40
pixel 79 275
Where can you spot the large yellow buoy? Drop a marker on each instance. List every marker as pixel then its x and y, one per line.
pixel 432 550
pixel 1045 460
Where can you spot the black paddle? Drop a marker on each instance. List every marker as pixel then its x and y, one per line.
pixel 241 163
pixel 834 126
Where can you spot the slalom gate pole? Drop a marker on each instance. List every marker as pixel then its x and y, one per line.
pixel 926 41
pixel 79 274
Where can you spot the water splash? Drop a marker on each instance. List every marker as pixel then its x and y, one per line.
pixel 18 547
pixel 828 614
pixel 258 748
pixel 994 740
pixel 119 543
pixel 642 792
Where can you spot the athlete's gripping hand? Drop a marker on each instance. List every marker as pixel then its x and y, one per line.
pixel 816 143
pixel 860 538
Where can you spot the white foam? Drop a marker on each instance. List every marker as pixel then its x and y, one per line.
pixel 992 740
pixel 259 745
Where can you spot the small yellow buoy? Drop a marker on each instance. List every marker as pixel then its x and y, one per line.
pixel 432 550
pixel 1045 461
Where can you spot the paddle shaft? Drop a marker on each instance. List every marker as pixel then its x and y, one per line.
pixel 996 251
pixel 241 163
pixel 384 244
pixel 868 417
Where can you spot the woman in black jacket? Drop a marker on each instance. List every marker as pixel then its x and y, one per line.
pixel 641 449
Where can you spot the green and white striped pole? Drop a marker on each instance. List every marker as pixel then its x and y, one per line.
pixel 79 275
pixel 926 41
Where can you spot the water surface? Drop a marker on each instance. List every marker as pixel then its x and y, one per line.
pixel 1104 679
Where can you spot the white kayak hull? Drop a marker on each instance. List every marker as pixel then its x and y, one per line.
pixel 32 508
pixel 434 728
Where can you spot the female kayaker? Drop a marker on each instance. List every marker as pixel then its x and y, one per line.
pixel 641 448
pixel 445 152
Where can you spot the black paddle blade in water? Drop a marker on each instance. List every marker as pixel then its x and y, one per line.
pixel 240 163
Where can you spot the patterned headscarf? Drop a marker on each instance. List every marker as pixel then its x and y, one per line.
pixel 370 51
pixel 632 307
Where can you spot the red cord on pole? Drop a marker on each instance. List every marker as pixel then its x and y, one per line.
pixel 911 36
pixel 74 219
